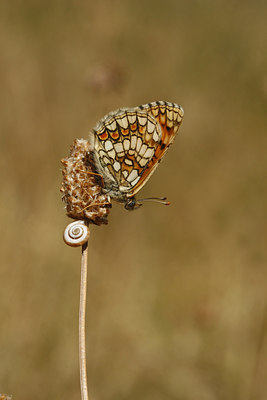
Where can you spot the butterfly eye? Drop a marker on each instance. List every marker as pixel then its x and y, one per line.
pixel 131 204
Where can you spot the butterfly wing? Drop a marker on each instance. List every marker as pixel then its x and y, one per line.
pixel 168 117
pixel 129 143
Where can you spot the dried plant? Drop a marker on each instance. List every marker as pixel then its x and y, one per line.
pixel 120 155
pixel 82 186
pixel 85 202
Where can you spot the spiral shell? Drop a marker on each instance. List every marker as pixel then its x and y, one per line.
pixel 76 234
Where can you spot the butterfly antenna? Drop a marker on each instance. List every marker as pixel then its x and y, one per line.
pixel 161 200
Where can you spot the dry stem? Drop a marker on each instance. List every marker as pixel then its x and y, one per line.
pixel 82 346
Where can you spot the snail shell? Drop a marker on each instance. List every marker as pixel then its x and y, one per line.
pixel 76 234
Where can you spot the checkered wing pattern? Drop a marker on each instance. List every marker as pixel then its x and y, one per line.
pixel 129 143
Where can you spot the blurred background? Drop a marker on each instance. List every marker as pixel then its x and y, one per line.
pixel 177 296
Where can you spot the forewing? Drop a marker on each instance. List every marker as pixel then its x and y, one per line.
pixel 169 118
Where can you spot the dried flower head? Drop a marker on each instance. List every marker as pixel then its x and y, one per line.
pixel 82 186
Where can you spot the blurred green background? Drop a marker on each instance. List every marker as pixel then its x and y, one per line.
pixel 177 296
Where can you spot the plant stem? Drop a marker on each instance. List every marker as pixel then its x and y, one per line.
pixel 82 312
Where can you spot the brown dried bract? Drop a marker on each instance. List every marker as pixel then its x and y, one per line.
pixel 82 186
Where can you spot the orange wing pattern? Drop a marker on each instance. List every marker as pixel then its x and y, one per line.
pixel 129 143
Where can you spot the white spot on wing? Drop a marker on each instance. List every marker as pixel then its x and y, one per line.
pixel 108 145
pixel 143 150
pixel 175 114
pixel 139 144
pixel 132 118
pixel 150 127
pixel 155 136
pixel 116 166
pixel 106 160
pixel 128 162
pixel 143 162
pixel 133 183
pixel 123 122
pixel 149 153
pixel 170 114
pixel 112 126
pixel 133 141
pixel 126 144
pixel 133 175
pixel 112 153
pixel 142 120
pixel 118 147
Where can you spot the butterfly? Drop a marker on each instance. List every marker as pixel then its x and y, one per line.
pixel 128 144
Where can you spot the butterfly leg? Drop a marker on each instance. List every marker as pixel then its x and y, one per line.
pixel 97 204
pixel 94 173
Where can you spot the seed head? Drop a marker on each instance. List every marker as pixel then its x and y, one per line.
pixel 82 186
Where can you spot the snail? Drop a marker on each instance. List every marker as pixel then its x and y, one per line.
pixel 76 234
